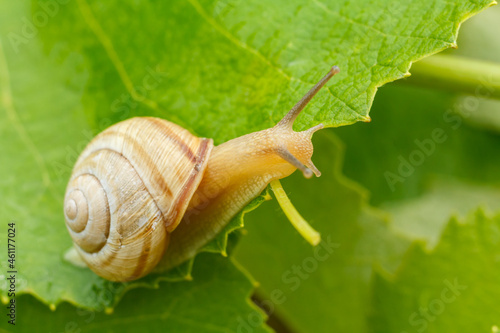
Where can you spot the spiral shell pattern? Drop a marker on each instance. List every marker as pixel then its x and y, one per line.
pixel 129 189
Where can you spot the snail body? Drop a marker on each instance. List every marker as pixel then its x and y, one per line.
pixel 146 192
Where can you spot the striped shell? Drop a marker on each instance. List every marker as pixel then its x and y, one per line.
pixel 128 191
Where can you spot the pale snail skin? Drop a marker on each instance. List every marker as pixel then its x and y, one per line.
pixel 146 192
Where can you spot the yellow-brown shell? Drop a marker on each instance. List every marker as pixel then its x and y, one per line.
pixel 129 189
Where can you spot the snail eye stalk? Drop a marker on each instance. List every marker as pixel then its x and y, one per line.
pixel 290 117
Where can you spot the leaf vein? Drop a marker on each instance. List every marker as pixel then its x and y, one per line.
pixel 354 22
pixel 106 43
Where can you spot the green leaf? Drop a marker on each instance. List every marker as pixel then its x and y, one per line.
pixel 70 69
pixel 215 301
pixel 454 288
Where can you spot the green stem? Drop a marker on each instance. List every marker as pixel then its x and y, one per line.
pixel 458 74
pixel 310 235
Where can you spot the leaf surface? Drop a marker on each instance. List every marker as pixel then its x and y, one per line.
pixel 215 301
pixel 453 288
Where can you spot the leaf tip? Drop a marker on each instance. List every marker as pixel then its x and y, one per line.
pixel 494 3
pixel 454 45
pixel 52 307
pixel 366 119
pixel 407 74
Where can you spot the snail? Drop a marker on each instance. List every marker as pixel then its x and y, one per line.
pixel 146 192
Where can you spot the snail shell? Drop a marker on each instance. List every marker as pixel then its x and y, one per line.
pixel 129 189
